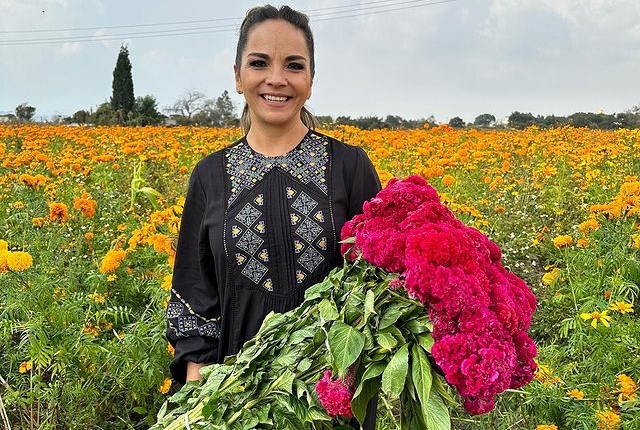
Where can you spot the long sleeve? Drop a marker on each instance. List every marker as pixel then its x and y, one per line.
pixel 193 312
pixel 365 183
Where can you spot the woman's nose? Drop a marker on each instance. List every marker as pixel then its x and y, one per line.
pixel 276 77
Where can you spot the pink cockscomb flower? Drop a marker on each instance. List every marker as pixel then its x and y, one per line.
pixel 480 311
pixel 335 395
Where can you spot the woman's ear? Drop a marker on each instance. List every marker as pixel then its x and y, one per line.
pixel 236 72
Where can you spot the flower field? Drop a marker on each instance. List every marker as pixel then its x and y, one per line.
pixel 88 219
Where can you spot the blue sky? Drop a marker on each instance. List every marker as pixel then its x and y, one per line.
pixel 410 58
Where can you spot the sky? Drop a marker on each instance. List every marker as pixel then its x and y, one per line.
pixel 412 58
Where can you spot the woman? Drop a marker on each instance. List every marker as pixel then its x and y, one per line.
pixel 262 217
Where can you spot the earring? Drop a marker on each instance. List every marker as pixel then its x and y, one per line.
pixel 239 92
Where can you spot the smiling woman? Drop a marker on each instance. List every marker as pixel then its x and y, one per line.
pixel 262 217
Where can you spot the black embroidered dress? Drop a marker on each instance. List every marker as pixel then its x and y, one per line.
pixel 256 232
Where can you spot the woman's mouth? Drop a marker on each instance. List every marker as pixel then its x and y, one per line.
pixel 279 99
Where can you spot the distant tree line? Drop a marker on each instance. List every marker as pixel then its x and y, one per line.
pixel 195 108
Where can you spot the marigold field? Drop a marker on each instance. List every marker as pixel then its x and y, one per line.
pixel 89 216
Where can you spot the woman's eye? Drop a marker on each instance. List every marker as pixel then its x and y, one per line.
pixel 257 63
pixel 296 66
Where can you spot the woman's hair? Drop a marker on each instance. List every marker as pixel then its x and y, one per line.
pixel 260 14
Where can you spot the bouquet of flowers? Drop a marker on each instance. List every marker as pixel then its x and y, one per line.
pixel 421 305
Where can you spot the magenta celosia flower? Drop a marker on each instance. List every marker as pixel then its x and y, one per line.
pixel 335 395
pixel 480 311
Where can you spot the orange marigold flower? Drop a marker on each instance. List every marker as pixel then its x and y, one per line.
pixel 25 366
pixel 448 180
pixel 86 205
pixel 91 329
pixel 562 241
pixel 589 225
pixel 58 212
pixel 19 261
pixel 627 388
pixel 546 427
pixel 544 375
pixel 575 394
pixel 112 260
pixel 607 420
pixel 89 235
pixel 582 242
pixel 166 385
pixel 3 261
pixel 170 349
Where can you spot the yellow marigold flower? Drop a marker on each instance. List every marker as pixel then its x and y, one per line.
pixel 562 241
pixel 38 221
pixel 448 180
pixel 91 329
pixel 112 260
pixel 25 366
pixel 627 388
pixel 597 317
pixel 4 245
pixel 86 205
pixel 18 205
pixel 550 277
pixel 166 385
pixel 166 282
pixel 59 294
pixel 112 277
pixel 19 261
pixel 3 261
pixel 58 212
pixel 635 241
pixel 89 235
pixel 575 394
pixel 589 225
pixel 622 307
pixel 582 242
pixel 607 420
pixel 170 349
pixel 544 375
pixel 97 297
pixel 546 427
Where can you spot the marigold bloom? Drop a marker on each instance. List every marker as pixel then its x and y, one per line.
pixel 607 420
pixel 3 261
pixel 627 388
pixel 597 317
pixel 562 241
pixel 448 180
pixel 19 261
pixel 38 221
pixel 112 260
pixel 97 297
pixel 582 242
pixel 25 366
pixel 166 282
pixel 58 212
pixel 550 277
pixel 589 225
pixel 546 427
pixel 170 349
pixel 544 375
pixel 91 329
pixel 575 394
pixel 4 245
pixel 635 241
pixel 166 386
pixel 18 205
pixel 622 307
pixel 86 205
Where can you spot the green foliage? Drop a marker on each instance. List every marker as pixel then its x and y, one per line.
pixel 24 112
pixel 122 97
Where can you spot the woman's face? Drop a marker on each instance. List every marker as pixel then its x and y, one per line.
pixel 275 75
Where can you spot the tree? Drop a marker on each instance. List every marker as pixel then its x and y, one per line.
pixel 226 110
pixel 81 117
pixel 456 122
pixel 190 103
pixel 24 112
pixel 521 120
pixel 145 111
pixel 484 120
pixel 122 98
pixel 193 107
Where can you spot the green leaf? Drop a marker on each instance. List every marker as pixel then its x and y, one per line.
pixel 345 344
pixel 304 365
pixel 286 420
pixel 369 302
pixel 391 315
pixel 422 380
pixel 328 310
pixel 316 291
pixel 365 391
pixel 284 382
pixel 140 410
pixel 394 376
pixel 386 341
pixel 436 413
pixel 373 370
pixel 302 334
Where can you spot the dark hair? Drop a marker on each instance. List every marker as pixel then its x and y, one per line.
pixel 260 14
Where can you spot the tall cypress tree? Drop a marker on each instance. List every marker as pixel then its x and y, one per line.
pixel 122 97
